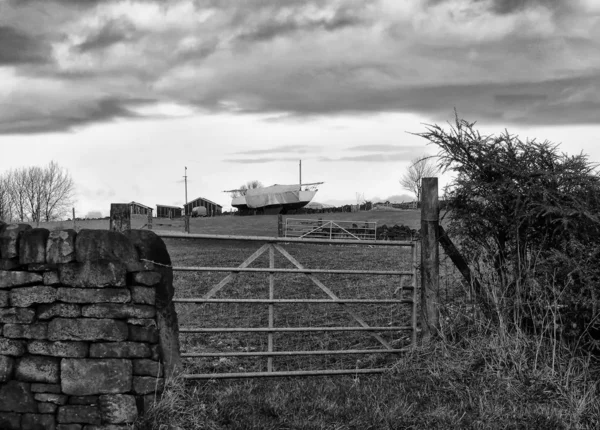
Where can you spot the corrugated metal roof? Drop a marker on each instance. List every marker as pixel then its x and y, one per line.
pixel 139 204
pixel 206 200
pixel 167 206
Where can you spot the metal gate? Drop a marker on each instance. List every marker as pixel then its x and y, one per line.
pixel 329 229
pixel 272 247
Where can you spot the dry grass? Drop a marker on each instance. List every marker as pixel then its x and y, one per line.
pixel 477 376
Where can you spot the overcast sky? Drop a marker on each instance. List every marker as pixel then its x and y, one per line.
pixel 125 94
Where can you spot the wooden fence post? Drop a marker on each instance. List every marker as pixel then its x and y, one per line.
pixel 120 217
pixel 150 220
pixel 279 225
pixel 430 258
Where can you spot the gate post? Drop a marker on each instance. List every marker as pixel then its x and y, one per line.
pixel 279 225
pixel 430 258
pixel 120 217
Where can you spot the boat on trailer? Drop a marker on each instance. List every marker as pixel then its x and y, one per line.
pixel 273 200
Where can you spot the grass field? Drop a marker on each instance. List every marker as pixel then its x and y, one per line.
pixel 262 225
pixel 292 286
pixel 474 377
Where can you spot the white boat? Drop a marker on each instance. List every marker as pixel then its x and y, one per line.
pixel 274 199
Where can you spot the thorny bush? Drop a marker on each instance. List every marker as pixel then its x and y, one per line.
pixel 526 216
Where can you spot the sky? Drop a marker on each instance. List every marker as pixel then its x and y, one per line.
pixel 126 94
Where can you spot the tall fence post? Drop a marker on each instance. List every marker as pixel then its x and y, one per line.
pixel 430 258
pixel 279 225
pixel 150 220
pixel 120 217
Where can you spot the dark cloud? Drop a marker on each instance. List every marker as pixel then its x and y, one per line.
pixel 294 22
pixel 512 6
pixel 374 158
pixel 113 32
pixel 280 149
pixel 504 7
pixel 17 47
pixel 102 110
pixel 260 160
pixel 253 160
pixel 385 148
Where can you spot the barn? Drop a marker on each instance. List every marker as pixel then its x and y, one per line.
pixel 212 208
pixel 136 208
pixel 166 211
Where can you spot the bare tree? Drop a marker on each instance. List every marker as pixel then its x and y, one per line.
pixel 250 185
pixel 420 167
pixel 6 211
pixel 58 192
pixel 36 193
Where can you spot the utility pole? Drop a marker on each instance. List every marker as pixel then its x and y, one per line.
pixel 300 175
pixel 186 202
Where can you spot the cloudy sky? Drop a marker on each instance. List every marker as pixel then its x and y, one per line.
pixel 125 94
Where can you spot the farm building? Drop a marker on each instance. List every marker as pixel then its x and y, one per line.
pixel 212 208
pixel 139 209
pixel 165 211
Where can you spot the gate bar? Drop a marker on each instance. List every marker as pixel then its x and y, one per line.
pixel 293 353
pixel 282 373
pixel 286 329
pixel 301 271
pixel 268 301
pixel 270 239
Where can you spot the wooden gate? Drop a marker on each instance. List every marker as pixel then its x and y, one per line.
pixel 400 293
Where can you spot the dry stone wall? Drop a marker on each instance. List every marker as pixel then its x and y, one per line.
pixel 87 328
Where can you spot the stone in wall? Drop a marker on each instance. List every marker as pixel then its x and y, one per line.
pixel 32 246
pixel 67 310
pixel 9 239
pixel 60 247
pixel 148 279
pixel 120 350
pixel 38 368
pixel 51 278
pixel 14 348
pixel 92 329
pixel 38 421
pixel 15 279
pixel 79 414
pixel 143 295
pixel 117 310
pixel 26 331
pixel 118 408
pixel 94 274
pixel 3 299
pixel 94 245
pixel 24 297
pixel 58 349
pixel 7 366
pixel 10 421
pixel 16 315
pixel 16 396
pixel 84 377
pixel 94 295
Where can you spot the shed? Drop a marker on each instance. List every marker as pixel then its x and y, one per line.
pixel 212 208
pixel 139 209
pixel 166 211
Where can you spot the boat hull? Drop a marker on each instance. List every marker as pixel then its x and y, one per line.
pixel 272 203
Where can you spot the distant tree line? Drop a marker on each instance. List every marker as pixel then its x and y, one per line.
pixel 36 194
